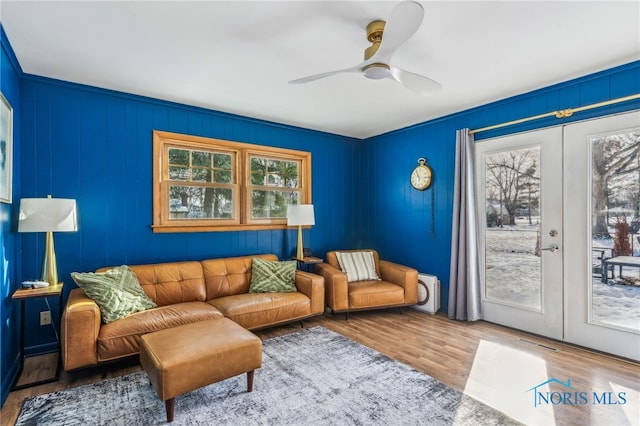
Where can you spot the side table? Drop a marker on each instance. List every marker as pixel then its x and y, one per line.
pixel 307 262
pixel 24 294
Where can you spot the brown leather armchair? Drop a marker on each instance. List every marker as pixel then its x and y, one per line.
pixel 398 286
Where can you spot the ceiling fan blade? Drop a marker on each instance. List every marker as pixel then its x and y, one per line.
pixel 416 83
pixel 404 21
pixel 325 74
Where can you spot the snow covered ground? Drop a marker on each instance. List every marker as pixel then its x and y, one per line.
pixel 616 304
pixel 513 270
pixel 513 275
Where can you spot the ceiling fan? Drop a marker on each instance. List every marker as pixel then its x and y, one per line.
pixel 386 38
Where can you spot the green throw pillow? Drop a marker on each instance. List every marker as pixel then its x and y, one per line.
pixel 272 277
pixel 116 291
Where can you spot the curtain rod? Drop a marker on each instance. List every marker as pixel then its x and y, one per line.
pixel 563 113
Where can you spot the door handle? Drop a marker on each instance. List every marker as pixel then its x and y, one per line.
pixel 552 248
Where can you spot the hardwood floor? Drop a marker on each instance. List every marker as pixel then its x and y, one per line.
pixel 494 364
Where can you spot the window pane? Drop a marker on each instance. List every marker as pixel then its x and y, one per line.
pixel 273 179
pixel 272 204
pixel 512 235
pixel 178 156
pixel 200 158
pixel 222 161
pixel 273 166
pixel 257 177
pixel 273 172
pixel 615 225
pixel 258 164
pixel 201 175
pixel 222 176
pixel 192 202
pixel 258 170
pixel 178 173
pixel 290 175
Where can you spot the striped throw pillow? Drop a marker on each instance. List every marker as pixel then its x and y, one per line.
pixel 358 265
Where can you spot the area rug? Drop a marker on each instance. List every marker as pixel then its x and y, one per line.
pixel 311 377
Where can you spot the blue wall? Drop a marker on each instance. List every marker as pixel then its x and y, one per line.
pixel 398 219
pixel 9 242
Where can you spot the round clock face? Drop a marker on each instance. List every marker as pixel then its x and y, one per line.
pixel 421 177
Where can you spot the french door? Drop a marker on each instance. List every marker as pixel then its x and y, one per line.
pixel 550 206
pixel 520 214
pixel 602 195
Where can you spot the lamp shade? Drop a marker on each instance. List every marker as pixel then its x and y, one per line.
pixel 300 214
pixel 47 215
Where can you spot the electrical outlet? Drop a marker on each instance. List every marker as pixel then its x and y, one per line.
pixel 45 317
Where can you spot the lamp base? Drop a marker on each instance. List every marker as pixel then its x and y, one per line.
pixel 49 265
pixel 299 250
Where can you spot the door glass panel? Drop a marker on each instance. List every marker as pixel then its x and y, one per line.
pixel 615 229
pixel 512 236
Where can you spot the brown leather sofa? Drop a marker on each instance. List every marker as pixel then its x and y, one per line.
pixel 185 292
pixel 398 287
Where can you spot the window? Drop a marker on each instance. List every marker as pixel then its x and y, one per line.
pixel 274 182
pixel 203 184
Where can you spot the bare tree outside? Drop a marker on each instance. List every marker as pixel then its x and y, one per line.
pixel 615 179
pixel 513 182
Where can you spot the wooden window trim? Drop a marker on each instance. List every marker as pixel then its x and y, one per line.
pixel 240 177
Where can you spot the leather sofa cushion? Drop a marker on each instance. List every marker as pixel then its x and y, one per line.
pixel 258 310
pixel 175 282
pixel 230 276
pixel 367 294
pixel 122 337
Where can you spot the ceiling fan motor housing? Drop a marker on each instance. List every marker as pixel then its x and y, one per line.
pixel 375 71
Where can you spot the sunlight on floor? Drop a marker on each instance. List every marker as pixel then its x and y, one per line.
pixel 500 377
pixel 632 408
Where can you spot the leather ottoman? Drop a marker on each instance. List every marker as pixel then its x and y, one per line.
pixel 184 358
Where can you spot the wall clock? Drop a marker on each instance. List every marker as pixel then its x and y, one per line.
pixel 421 175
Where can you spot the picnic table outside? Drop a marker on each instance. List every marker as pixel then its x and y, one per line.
pixel 620 261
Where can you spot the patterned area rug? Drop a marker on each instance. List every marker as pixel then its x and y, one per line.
pixel 312 377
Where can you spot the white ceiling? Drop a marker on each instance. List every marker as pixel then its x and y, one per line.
pixel 237 56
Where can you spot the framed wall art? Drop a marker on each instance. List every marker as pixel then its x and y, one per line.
pixel 6 149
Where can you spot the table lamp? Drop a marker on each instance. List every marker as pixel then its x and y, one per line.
pixel 300 215
pixel 48 215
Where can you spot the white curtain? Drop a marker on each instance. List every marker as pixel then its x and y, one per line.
pixel 464 283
